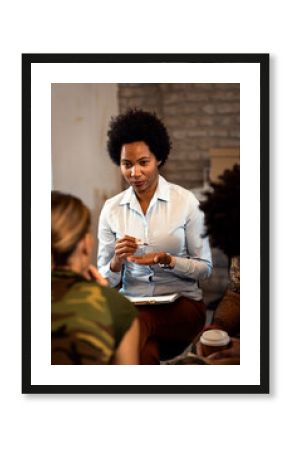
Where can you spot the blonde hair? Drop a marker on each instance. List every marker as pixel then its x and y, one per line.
pixel 70 221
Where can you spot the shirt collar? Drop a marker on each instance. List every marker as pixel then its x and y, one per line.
pixel 162 192
pixel 126 198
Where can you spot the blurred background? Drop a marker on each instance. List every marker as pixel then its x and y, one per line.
pixel 203 121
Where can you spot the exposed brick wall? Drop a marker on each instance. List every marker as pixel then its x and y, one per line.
pixel 198 117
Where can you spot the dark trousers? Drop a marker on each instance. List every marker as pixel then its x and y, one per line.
pixel 166 330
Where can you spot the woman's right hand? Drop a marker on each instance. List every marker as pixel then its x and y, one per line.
pixel 124 247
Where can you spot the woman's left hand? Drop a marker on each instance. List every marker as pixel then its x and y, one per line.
pixel 232 352
pixel 230 356
pixel 151 258
pixel 92 273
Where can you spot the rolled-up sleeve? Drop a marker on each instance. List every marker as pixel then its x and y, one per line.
pixel 198 265
pixel 106 249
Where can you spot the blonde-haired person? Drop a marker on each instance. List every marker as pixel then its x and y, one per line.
pixel 90 323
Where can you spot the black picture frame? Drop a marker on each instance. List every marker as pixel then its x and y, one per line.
pixel 263 61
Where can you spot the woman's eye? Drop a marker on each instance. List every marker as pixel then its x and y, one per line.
pixel 143 163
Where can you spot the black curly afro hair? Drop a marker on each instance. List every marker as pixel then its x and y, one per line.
pixel 222 212
pixel 137 125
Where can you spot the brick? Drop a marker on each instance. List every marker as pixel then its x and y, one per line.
pixel 140 90
pixel 225 95
pixel 235 133
pixel 205 121
pixel 228 108
pixel 188 154
pixel 181 121
pixel 186 174
pixel 185 164
pixel 185 96
pixel 177 87
pixel 230 142
pixel 209 108
pixel 206 143
pixel 183 108
pixel 218 132
pixel 189 133
pixel 226 120
pixel 226 86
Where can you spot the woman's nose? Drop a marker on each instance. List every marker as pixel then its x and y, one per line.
pixel 135 171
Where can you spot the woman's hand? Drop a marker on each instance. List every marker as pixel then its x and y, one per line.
pixel 229 356
pixel 124 247
pixel 151 258
pixel 232 352
pixel 92 273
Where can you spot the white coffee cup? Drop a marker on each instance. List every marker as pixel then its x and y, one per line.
pixel 214 341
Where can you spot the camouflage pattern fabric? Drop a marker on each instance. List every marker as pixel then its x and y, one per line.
pixel 82 329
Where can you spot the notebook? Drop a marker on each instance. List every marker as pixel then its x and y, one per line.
pixel 153 300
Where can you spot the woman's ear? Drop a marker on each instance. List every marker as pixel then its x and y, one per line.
pixel 85 246
pixel 88 244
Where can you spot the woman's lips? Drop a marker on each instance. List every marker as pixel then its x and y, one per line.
pixel 138 183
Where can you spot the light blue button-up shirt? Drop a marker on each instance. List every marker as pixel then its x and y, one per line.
pixel 173 223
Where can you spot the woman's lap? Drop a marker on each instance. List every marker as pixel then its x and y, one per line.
pixel 167 329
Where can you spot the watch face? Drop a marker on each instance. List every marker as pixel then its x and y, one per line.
pixel 165 266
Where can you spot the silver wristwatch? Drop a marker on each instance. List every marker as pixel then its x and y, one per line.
pixel 170 265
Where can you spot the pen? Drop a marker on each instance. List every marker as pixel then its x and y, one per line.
pixel 141 243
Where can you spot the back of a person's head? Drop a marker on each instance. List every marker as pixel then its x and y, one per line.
pixel 70 221
pixel 222 212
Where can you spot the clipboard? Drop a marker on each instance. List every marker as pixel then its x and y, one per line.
pixel 154 300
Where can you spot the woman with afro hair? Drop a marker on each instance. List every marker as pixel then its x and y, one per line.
pixel 151 238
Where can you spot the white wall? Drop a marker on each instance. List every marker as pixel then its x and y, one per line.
pixel 80 114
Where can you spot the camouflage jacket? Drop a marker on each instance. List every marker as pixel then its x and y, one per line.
pixel 87 321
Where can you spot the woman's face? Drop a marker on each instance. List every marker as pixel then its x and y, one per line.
pixel 139 166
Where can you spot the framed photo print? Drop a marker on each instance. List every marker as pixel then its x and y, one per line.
pixel 154 168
